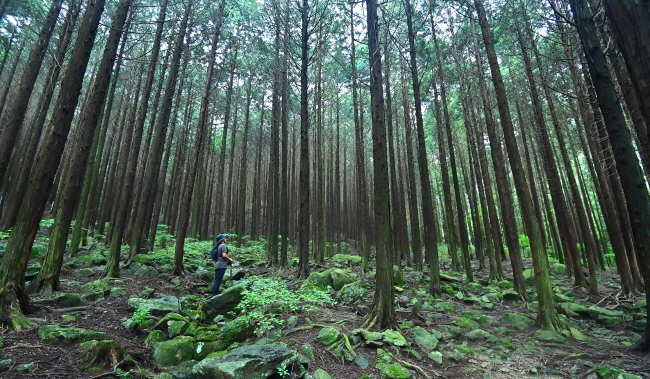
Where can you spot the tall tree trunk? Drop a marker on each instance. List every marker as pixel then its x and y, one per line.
pixel 546 315
pixel 241 208
pixel 13 116
pixel 627 164
pixel 430 235
pixel 184 217
pixel 118 224
pixel 19 246
pixel 158 142
pixel 48 277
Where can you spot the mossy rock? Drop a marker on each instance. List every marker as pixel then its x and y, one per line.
pixel 558 269
pixel 519 320
pixel 237 330
pixel 444 306
pixel 146 272
pixel 341 277
pixel 393 370
pixel 173 352
pixel 209 333
pixel 351 293
pixel 344 258
pixel 321 374
pixel 424 338
pixel 308 350
pixel 478 334
pixel 549 336
pixel 203 349
pixel 223 303
pixel 153 337
pixel 246 362
pixel 398 277
pixel 67 335
pixel 5 364
pixel 144 259
pixel 67 300
pixel 467 323
pixel 84 273
pixel 99 285
pixel 510 294
pixel 394 338
pixel 327 336
pixel 561 298
pixel 596 312
pixel 157 307
pixel 529 276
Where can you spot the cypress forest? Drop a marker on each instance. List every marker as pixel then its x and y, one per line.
pixel 324 189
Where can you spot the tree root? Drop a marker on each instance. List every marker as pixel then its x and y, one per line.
pixel 420 370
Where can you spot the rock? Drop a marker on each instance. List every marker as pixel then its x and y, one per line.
pixel 321 374
pixel 147 292
pixel 327 336
pixel 575 333
pixel 323 279
pixel 67 300
pixel 558 269
pixel 32 271
pixel 394 338
pixel 203 349
pixel 93 296
pixel 84 273
pixel 549 336
pixel 561 298
pixel 237 330
pixel 362 362
pixel 173 352
pixel 340 278
pixel 518 320
pixel 478 334
pixel 130 269
pixel 145 272
pixel 351 293
pixel 344 258
pixel 176 328
pixel 117 291
pixel 5 364
pixel 156 307
pixel 246 362
pixel 398 277
pixel 596 312
pixel 465 322
pixel 574 310
pixel 308 350
pixel 45 302
pixel 99 285
pixel 237 274
pixel 224 302
pixel 204 275
pixel 69 318
pixel 643 303
pixel 144 259
pixel 27 367
pixel 510 294
pixel 436 356
pixel 424 338
pixel 153 337
pixel 210 333
pixel 394 370
pixel 373 339
pixel 67 335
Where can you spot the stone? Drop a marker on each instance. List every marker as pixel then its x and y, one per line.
pixel 518 320
pixel 156 307
pixel 67 300
pixel 117 291
pixel 395 338
pixel 84 273
pixel 246 362
pixel 237 330
pixel 394 370
pixel 373 339
pixel 465 322
pixel 67 335
pixel 436 356
pixel 558 269
pixel 94 296
pixel 344 258
pixel 322 279
pixel 176 328
pixel 478 334
pixel 5 364
pixel 362 362
pixel 153 337
pixel 131 268
pixel 99 285
pixel 173 352
pixel 549 336
pixel 341 277
pixel 27 367
pixel 32 271
pixel 351 293
pixel 224 302
pixel 398 277
pixel 204 275
pixel 574 310
pixel 424 338
pixel 203 349
pixel 327 336
pixel 561 298
pixel 597 312
pixel 575 333
pixel 69 318
pixel 321 374
pixel 146 272
pixel 144 259
pixel 510 294
pixel 308 350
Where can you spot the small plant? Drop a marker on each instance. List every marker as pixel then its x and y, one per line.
pixel 47 223
pixel 139 317
pixel 282 371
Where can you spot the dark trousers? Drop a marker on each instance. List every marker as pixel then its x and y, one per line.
pixel 218 277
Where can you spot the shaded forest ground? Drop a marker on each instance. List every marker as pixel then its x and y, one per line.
pixel 511 348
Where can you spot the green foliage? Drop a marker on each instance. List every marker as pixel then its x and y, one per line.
pixel 265 298
pixel 345 248
pixel 139 317
pixel 524 241
pixel 47 223
pixel 5 235
pixel 282 371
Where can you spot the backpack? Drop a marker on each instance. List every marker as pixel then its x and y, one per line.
pixel 215 253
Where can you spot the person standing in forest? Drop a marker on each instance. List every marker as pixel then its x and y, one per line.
pixel 221 262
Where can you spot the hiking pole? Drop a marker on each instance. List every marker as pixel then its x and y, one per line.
pixel 230 274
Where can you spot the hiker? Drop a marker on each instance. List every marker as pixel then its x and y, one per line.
pixel 222 261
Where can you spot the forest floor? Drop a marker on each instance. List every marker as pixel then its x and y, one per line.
pixel 479 334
